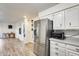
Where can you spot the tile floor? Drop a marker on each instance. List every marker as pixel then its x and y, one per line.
pixel 14 47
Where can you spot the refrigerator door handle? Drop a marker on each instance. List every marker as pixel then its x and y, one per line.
pixel 35 32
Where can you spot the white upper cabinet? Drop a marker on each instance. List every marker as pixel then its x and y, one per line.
pixel 72 18
pixel 66 19
pixel 50 16
pixel 58 20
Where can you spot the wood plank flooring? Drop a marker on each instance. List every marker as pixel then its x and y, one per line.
pixel 14 47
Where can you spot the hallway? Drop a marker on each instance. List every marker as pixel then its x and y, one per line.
pixel 14 47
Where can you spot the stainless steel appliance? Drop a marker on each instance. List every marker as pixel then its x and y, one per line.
pixel 42 29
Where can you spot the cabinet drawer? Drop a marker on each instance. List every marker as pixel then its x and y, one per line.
pixel 54 49
pixel 53 53
pixel 57 48
pixel 71 53
pixel 57 44
pixel 57 53
pixel 74 48
pixel 60 51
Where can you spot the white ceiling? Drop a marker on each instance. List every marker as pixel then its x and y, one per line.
pixel 11 12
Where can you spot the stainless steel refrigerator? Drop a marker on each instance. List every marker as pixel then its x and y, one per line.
pixel 42 30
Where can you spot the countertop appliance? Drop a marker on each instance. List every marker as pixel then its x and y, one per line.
pixel 58 35
pixel 42 29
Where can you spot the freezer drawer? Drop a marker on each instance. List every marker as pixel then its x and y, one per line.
pixel 42 50
pixel 36 49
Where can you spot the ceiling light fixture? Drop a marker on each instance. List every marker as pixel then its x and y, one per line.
pixel 25 17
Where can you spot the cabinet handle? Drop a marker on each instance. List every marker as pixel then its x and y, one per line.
pixel 60 24
pixel 70 23
pixel 77 50
pixel 56 53
pixel 56 48
pixel 56 44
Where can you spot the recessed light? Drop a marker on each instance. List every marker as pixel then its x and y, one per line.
pixel 25 17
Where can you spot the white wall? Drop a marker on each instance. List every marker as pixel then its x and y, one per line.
pixel 28 34
pixel 4 27
pixel 15 29
pixel 17 26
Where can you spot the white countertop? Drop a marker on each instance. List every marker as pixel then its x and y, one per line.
pixel 68 40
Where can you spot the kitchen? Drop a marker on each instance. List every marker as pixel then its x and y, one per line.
pixel 64 36
pixel 50 30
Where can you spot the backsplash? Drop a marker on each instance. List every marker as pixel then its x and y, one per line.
pixel 70 33
pixel 73 33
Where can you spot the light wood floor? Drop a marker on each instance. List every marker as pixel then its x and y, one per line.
pixel 14 47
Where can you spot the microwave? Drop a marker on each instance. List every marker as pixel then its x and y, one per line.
pixel 58 35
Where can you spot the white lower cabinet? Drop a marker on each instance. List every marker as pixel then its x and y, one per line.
pixel 56 50
pixel 71 53
pixel 53 53
pixel 72 50
pixel 61 49
pixel 57 53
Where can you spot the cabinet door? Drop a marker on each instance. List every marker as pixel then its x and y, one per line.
pixel 61 51
pixel 72 18
pixel 58 20
pixel 50 16
pixel 71 53
pixel 56 50
pixel 53 52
